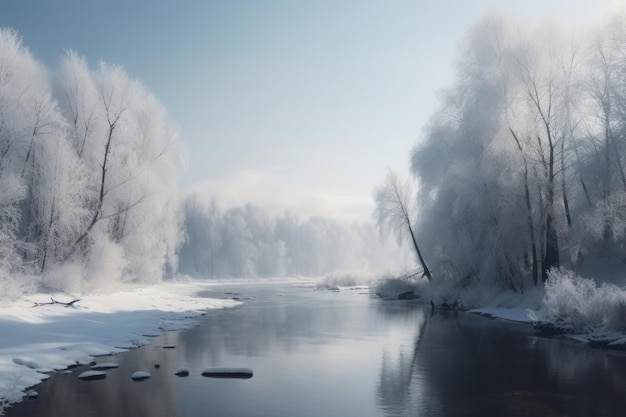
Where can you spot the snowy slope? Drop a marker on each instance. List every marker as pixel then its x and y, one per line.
pixel 38 340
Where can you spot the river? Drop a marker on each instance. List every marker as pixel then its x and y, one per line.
pixel 324 353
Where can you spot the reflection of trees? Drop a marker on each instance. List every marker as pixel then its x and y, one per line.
pixel 462 365
pixel 604 373
pixel 396 388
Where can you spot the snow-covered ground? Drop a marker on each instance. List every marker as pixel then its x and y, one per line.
pixel 38 340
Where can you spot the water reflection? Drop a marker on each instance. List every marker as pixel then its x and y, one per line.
pixel 467 366
pixel 400 384
pixel 343 354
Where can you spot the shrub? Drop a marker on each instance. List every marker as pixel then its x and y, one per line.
pixel 580 302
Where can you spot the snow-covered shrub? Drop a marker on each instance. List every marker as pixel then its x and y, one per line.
pixel 580 302
pixel 346 279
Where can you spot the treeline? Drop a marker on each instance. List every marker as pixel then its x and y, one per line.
pixel 523 167
pixel 89 166
pixel 248 242
pixel 88 173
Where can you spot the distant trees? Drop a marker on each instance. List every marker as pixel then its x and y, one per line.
pixel 522 168
pixel 247 242
pixel 87 169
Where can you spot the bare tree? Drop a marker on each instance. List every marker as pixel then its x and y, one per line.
pixel 395 209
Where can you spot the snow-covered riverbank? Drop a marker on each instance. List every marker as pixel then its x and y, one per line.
pixel 36 341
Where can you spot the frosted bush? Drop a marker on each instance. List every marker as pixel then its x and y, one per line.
pixel 346 279
pixel 580 302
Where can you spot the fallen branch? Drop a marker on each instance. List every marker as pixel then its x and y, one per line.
pixel 70 304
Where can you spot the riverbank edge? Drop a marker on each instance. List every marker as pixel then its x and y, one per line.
pixel 596 339
pixel 48 338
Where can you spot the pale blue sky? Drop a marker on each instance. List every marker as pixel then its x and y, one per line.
pixel 288 104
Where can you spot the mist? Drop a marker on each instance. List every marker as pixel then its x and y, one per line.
pixel 247 241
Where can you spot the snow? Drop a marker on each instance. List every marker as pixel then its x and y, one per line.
pixel 92 375
pixel 104 366
pixel 140 375
pixel 40 340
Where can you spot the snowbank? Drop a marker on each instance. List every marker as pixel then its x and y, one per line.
pixel 578 308
pixel 39 340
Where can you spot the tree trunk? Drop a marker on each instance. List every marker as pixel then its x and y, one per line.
pixel 552 248
pixel 568 215
pixel 98 210
pixel 529 211
pixel 552 242
pixel 419 256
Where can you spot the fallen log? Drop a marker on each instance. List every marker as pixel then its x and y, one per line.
pixel 53 301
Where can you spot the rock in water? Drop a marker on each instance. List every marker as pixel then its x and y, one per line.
pixel 140 375
pixel 242 373
pixel 92 375
pixel 182 372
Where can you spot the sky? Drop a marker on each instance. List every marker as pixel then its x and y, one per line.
pixel 288 104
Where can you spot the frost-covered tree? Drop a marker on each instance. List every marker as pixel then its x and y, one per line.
pixel 466 172
pixel 395 211
pixel 496 154
pixel 28 120
pixel 87 173
pixel 521 170
pixel 123 137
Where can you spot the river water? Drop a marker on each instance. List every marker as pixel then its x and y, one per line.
pixel 317 353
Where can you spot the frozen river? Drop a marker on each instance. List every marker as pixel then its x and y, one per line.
pixel 316 353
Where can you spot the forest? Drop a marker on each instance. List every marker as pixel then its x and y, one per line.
pixel 521 170
pixel 520 175
pixel 90 196
pixel 88 175
pixel 248 242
